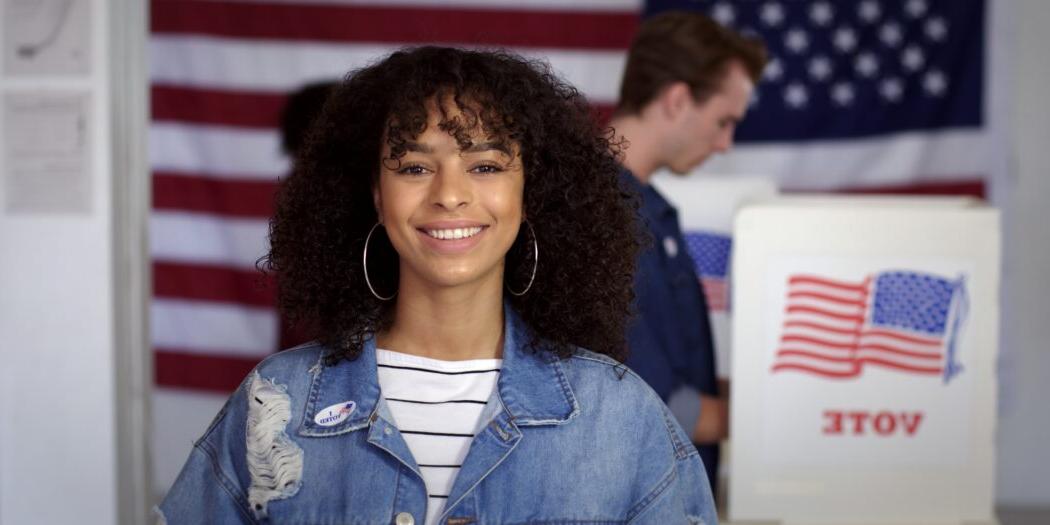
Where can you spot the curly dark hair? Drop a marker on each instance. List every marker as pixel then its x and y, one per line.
pixel 584 219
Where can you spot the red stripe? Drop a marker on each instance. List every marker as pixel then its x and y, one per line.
pixel 857 368
pixel 818 326
pixel 253 109
pixel 246 108
pixel 816 341
pixel 899 366
pixel 854 372
pixel 825 297
pixel 814 355
pixel 212 283
pixel 828 313
pixel 908 338
pixel 809 279
pixel 230 197
pixel 961 187
pixel 216 373
pixel 848 348
pixel 901 351
pixel 395 25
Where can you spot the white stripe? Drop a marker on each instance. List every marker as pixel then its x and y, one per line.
pixel 827 306
pixel 838 293
pixel 896 160
pixel 282 66
pixel 824 335
pixel 207 239
pixel 628 6
pixel 840 324
pixel 207 327
pixel 224 152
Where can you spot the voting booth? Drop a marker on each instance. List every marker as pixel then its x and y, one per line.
pixel 864 349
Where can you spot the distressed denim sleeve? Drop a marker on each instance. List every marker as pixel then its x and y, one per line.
pixel 208 489
pixel 685 499
pixel 203 494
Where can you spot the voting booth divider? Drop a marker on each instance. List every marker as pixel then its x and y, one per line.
pixel 865 333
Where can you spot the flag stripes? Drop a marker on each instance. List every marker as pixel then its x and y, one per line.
pixel 827 332
pixel 396 25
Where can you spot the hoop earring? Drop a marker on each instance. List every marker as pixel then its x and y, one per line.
pixel 535 263
pixel 364 264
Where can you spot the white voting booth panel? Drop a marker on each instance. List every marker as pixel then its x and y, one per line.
pixel 863 379
pixel 706 206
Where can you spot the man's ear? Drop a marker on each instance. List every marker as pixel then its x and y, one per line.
pixel 675 98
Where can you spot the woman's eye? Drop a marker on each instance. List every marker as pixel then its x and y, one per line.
pixel 412 169
pixel 487 168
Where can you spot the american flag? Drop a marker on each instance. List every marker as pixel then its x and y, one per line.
pixel 869 95
pixel 220 71
pixel 902 321
pixel 710 253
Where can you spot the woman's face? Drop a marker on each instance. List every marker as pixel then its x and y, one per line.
pixel 451 213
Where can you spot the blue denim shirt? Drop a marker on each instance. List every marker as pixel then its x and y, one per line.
pixel 670 341
pixel 572 440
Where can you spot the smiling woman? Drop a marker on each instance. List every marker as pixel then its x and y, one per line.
pixel 434 182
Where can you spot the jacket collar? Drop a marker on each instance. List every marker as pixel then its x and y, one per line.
pixel 532 386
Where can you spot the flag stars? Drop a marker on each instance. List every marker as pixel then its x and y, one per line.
pixel 890 33
pixel 795 95
pixel 723 13
pixel 796 40
pixel 844 39
pixel 915 8
pixel 821 14
pixel 842 93
pixel 772 14
pixel 820 68
pixel 866 64
pixel 935 83
pixel 936 29
pixel 891 89
pixel 869 11
pixel 774 70
pixel 912 58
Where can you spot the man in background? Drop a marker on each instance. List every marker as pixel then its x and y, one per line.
pixel 687 84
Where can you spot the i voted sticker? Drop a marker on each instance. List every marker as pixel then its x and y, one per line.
pixel 335 414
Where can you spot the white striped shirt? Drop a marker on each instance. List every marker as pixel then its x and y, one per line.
pixel 437 407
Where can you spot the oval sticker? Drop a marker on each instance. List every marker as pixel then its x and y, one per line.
pixel 335 414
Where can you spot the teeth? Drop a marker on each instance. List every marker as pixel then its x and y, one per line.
pixel 454 233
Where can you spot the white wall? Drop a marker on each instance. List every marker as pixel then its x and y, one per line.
pixel 58 452
pixel 1024 432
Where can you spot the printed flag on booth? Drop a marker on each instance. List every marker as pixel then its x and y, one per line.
pixel 902 321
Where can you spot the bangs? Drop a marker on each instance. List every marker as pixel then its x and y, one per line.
pixel 465 113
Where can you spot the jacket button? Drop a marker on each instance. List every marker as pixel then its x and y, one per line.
pixel 404 518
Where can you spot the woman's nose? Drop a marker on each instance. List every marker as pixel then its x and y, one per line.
pixel 451 189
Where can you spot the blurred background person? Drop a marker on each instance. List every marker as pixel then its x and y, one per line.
pixel 687 85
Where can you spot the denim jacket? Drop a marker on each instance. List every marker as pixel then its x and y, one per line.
pixel 574 440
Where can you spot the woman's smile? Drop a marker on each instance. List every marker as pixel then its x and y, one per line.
pixel 452 237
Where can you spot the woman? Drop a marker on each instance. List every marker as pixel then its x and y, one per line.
pixel 435 181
